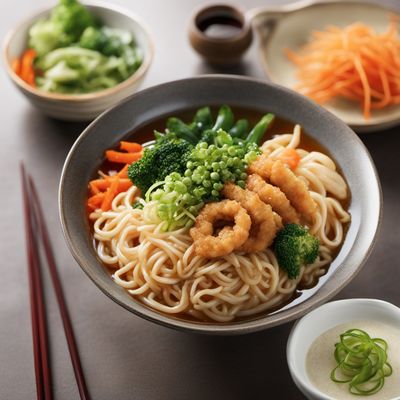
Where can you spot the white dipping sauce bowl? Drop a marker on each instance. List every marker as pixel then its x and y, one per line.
pixel 323 318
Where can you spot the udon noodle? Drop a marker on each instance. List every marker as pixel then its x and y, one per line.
pixel 162 270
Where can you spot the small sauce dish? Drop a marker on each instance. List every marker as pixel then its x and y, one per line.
pixel 323 319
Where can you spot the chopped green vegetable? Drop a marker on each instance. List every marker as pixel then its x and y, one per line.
pixel 45 36
pixel 180 197
pixel 75 54
pixel 137 204
pixel 93 38
pixel 361 362
pixel 181 130
pixel 294 246
pixel 166 156
pixel 257 133
pixel 202 120
pixel 225 119
pixel 240 129
pixel 72 18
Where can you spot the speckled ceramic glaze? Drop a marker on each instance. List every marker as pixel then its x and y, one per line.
pixel 171 98
pixel 82 107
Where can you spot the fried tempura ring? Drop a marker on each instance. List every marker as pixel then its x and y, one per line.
pixel 294 188
pixel 263 227
pixel 229 238
pixel 273 196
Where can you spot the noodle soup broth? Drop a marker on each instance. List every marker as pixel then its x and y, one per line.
pixel 289 293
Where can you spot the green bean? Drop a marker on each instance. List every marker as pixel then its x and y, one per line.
pixel 257 133
pixel 181 130
pixel 202 120
pixel 240 129
pixel 224 119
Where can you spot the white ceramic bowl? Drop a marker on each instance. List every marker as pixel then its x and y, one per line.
pixel 80 107
pixel 317 322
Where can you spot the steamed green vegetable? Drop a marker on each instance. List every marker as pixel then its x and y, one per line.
pixel 361 362
pixel 168 155
pixel 294 246
pixel 181 196
pixel 191 161
pixel 77 54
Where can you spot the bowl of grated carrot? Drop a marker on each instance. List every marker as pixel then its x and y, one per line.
pixel 343 55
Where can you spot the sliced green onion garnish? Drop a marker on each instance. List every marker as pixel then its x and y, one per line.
pixel 361 362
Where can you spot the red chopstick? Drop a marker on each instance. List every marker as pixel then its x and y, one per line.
pixel 38 314
pixel 37 216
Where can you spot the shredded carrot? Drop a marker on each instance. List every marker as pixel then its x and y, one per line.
pixel 354 62
pixel 95 201
pixel 104 189
pixel 125 158
pixel 130 147
pixel 100 185
pixel 290 157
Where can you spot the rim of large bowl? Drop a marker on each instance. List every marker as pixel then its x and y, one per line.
pixel 239 327
pixel 136 76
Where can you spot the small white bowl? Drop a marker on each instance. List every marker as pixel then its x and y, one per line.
pixel 323 318
pixel 80 107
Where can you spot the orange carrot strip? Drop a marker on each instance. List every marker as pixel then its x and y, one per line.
pixel 290 157
pixel 124 172
pixel 27 65
pixel 125 158
pixel 95 201
pixel 93 188
pixel 16 66
pixel 130 147
pixel 110 194
pixel 103 184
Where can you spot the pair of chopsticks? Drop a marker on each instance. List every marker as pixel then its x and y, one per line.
pixel 36 232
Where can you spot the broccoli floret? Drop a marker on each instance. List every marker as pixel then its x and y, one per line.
pixel 93 39
pixel 294 246
pixel 45 36
pixel 72 18
pixel 165 157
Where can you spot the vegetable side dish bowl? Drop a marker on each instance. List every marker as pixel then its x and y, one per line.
pixel 73 61
pixel 196 243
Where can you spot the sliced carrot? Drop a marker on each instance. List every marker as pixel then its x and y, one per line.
pixel 95 201
pixel 290 157
pixel 110 194
pixel 93 187
pixel 125 158
pixel 16 66
pixel 130 147
pixel 100 185
pixel 27 70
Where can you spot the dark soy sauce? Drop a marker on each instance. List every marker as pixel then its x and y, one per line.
pixel 220 26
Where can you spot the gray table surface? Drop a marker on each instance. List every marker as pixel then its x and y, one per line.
pixel 123 356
